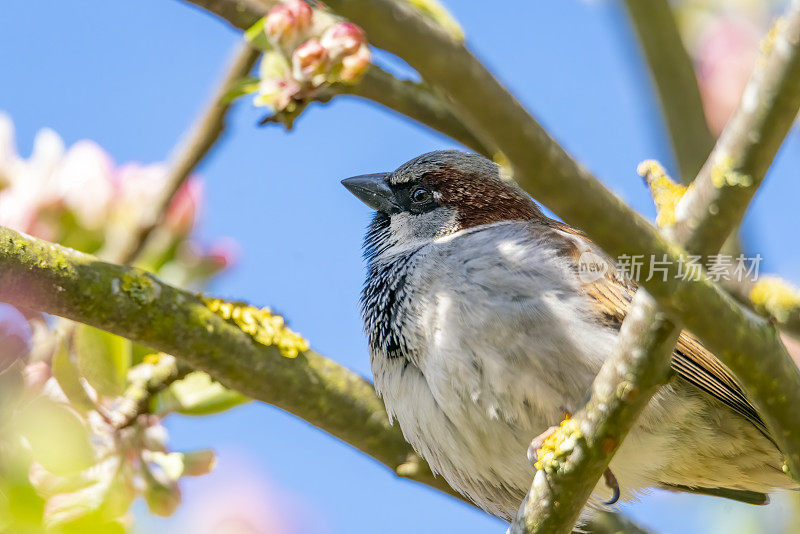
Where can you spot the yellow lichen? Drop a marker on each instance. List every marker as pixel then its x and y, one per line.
pixel 775 297
pixel 768 43
pixel 558 445
pixel 436 12
pixel 723 174
pixel 260 324
pixel 152 358
pixel 665 192
pixel 140 287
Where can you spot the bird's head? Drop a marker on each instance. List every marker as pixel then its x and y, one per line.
pixel 435 195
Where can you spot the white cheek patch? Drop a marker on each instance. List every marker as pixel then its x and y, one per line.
pixel 408 228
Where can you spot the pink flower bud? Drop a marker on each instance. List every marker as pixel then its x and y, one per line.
pixel 182 212
pixel 354 65
pixel 343 38
pixel 223 253
pixel 308 60
pixel 288 20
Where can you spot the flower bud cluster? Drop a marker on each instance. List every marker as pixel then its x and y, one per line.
pixel 308 48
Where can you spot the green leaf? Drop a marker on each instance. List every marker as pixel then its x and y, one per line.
pixel 242 86
pixel 103 359
pixel 256 35
pixel 66 374
pixel 57 437
pixel 198 394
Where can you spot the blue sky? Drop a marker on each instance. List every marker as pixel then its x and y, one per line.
pixel 132 74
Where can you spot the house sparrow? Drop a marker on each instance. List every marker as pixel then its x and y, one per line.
pixel 482 332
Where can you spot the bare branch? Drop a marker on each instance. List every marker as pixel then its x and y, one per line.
pixel 675 82
pixel 621 391
pixel 240 13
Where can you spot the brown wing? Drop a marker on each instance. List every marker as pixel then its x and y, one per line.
pixel 691 361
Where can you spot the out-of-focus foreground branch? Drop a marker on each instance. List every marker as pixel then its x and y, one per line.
pixel 675 83
pixel 620 392
pixel 641 360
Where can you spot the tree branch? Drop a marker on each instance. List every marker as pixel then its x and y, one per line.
pixel 416 101
pixel 239 13
pixel 674 78
pixel 623 388
pixel 641 359
pixel 134 304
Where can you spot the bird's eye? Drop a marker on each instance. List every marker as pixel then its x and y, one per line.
pixel 420 195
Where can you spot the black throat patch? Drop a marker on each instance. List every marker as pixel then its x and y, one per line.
pixel 385 293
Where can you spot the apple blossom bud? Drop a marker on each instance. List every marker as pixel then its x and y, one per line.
pixel 182 212
pixel 355 65
pixel 309 60
pixel 343 39
pixel 289 20
pixel 222 254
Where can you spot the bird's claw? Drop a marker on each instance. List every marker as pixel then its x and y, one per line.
pixel 537 442
pixel 613 485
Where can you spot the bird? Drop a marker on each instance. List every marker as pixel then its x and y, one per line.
pixel 483 333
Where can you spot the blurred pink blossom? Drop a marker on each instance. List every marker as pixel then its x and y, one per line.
pixel 185 207
pixel 342 39
pixel 36 375
pixel 726 52
pixel 30 189
pixel 354 65
pixel 289 20
pixel 84 180
pixel 223 253
pixel 309 60
pixel 235 500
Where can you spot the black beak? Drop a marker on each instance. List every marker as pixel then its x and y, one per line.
pixel 373 190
